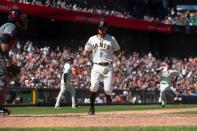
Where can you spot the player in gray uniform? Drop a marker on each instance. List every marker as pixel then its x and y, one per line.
pixel 166 81
pixel 8 37
pixel 66 84
pixel 103 47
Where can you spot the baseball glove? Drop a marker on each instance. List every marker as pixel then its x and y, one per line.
pixel 13 70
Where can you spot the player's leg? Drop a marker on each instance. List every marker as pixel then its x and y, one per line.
pixel 108 84
pixel 61 93
pixel 177 95
pixel 3 93
pixel 173 90
pixel 95 79
pixel 162 95
pixel 3 87
pixel 71 89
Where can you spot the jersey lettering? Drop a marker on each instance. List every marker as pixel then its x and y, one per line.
pixel 94 46
pixel 101 44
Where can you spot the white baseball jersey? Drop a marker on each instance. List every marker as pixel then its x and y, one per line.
pixel 66 86
pixel 102 48
pixel 67 69
pixel 167 76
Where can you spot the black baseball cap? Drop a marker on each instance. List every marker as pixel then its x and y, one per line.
pixel 69 59
pixel 102 24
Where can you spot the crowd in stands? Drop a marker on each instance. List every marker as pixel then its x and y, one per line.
pixel 41 67
pixel 123 9
pixel 178 17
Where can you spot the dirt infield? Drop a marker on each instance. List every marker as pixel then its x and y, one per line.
pixel 162 117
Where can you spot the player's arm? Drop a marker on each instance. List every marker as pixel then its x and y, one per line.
pixel 5 47
pixel 117 53
pixel 179 77
pixel 116 47
pixel 159 69
pixel 176 75
pixel 88 48
pixel 86 53
pixel 65 72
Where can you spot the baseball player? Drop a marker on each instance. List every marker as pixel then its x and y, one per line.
pixel 8 37
pixel 166 81
pixel 103 47
pixel 66 84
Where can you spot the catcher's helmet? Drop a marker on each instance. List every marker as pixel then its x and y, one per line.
pixel 14 15
pixel 102 24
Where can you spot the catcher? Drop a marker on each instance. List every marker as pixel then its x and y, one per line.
pixel 8 36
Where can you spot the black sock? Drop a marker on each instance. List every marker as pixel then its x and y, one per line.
pixel 108 99
pixel 92 99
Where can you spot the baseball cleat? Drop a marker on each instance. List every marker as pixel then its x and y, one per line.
pixel 75 106
pixel 91 111
pixel 57 107
pixel 162 104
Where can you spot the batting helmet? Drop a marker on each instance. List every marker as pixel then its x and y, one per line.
pixel 14 15
pixel 102 24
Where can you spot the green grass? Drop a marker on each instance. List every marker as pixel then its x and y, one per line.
pixel 105 129
pixel 84 109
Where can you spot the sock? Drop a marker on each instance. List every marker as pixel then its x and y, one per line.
pixel 73 101
pixel 92 99
pixel 108 99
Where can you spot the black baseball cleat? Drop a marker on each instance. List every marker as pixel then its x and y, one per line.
pixel 162 104
pixel 91 111
pixel 4 111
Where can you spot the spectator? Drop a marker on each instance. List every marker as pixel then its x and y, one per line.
pixel 41 68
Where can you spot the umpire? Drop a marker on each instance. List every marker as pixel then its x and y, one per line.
pixel 8 38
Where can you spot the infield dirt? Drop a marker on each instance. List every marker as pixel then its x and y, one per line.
pixel 143 118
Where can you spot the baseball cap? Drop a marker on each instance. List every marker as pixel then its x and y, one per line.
pixel 102 24
pixel 69 59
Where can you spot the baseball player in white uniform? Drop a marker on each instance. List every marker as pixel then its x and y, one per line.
pixel 103 47
pixel 166 79
pixel 66 84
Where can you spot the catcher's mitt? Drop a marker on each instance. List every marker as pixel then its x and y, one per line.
pixel 13 70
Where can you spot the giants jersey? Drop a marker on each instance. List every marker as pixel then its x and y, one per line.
pixel 102 49
pixel 8 28
pixel 68 70
pixel 168 75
